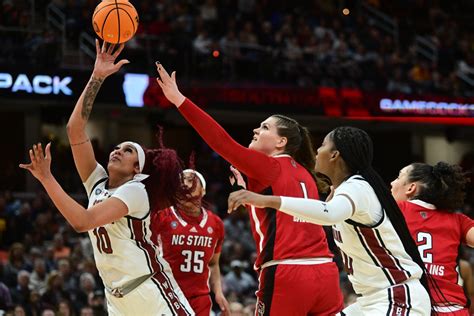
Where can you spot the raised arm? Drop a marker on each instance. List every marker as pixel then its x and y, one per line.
pixel 81 146
pixel 252 163
pixel 81 219
pixel 338 209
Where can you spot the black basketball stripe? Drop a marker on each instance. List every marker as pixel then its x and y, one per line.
pixel 108 5
pixel 118 21
pixel 103 25
pixel 131 19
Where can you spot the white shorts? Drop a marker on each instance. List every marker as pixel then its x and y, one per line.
pixel 149 299
pixel 409 298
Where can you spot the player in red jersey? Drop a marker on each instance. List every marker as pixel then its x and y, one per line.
pixel 428 197
pixel 292 255
pixel 190 239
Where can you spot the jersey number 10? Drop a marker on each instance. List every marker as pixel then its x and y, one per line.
pixel 103 240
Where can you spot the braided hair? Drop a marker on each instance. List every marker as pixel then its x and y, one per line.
pixel 356 149
pixel 164 184
pixel 442 185
pixel 300 146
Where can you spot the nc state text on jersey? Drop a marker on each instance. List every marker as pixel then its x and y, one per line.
pixel 192 240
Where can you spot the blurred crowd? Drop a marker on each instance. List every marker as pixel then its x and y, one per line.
pixel 304 43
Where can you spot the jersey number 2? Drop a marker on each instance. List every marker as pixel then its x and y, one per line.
pixel 193 261
pixel 423 248
pixel 103 240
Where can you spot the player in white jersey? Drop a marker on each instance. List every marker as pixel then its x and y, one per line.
pixel 137 280
pixel 380 256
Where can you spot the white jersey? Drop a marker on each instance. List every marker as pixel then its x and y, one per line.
pixel 123 250
pixel 373 254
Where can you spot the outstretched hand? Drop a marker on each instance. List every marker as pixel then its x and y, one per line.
pixel 244 197
pixel 236 177
pixel 40 165
pixel 105 59
pixel 169 86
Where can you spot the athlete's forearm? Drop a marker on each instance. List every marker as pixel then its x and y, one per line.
pixel 76 126
pixel 215 279
pixel 74 213
pixel 317 212
pixel 250 162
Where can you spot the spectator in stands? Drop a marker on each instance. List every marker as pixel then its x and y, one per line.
pixel 39 277
pixel 86 311
pixel 87 286
pixel 21 292
pixel 239 281
pixel 5 295
pixel 60 250
pixel 64 309
pixel 69 279
pixel 55 292
pixel 397 83
pixel 16 261
pixel 19 310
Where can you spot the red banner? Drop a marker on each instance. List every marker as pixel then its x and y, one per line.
pixel 326 101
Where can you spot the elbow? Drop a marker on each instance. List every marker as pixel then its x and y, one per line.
pixel 72 128
pixel 69 128
pixel 80 228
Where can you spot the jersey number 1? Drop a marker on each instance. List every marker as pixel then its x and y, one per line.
pixel 103 240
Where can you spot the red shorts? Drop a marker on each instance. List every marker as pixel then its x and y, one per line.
pixel 288 290
pixel 201 305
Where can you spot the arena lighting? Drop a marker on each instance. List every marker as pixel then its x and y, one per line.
pixel 38 84
pixel 426 107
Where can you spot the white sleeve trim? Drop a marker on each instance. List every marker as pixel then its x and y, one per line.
pixel 335 211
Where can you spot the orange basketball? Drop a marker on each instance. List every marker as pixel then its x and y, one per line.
pixel 115 21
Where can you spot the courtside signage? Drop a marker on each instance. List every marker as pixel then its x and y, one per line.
pixel 35 84
pixel 61 87
pixel 421 107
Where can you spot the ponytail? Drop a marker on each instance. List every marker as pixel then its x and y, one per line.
pixel 300 146
pixel 442 185
pixel 356 148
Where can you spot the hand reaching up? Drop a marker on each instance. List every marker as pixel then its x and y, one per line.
pixel 105 59
pixel 168 85
pixel 40 165
pixel 237 178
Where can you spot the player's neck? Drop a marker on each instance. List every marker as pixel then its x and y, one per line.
pixel 277 152
pixel 116 181
pixel 193 211
pixel 339 177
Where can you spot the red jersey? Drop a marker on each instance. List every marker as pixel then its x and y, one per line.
pixel 438 235
pixel 278 236
pixel 188 245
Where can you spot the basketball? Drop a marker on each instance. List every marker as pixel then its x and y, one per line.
pixel 115 21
